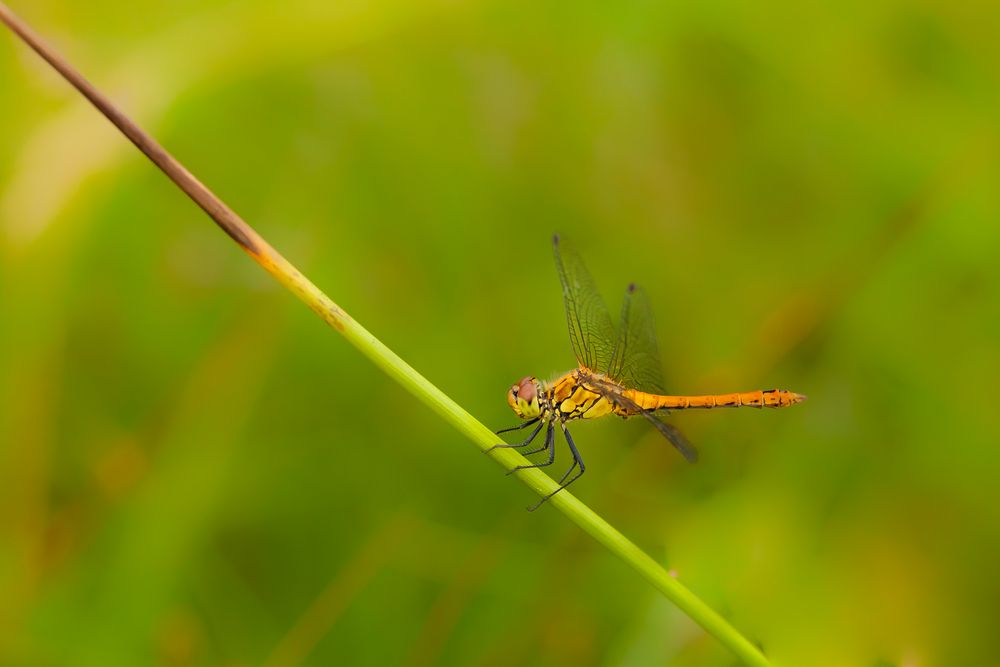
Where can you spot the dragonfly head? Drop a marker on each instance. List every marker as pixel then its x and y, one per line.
pixel 523 398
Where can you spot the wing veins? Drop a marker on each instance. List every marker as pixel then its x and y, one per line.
pixel 590 328
pixel 636 359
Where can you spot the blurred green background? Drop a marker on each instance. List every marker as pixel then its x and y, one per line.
pixel 194 470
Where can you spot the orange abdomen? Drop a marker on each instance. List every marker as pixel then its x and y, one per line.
pixel 769 398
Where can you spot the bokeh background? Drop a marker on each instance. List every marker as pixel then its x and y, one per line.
pixel 194 470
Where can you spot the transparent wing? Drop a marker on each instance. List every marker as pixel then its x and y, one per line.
pixel 635 362
pixel 674 436
pixel 590 328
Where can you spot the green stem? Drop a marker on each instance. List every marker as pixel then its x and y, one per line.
pixel 389 362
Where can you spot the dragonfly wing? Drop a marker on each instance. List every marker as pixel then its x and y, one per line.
pixel 675 437
pixel 590 328
pixel 635 362
pixel 613 394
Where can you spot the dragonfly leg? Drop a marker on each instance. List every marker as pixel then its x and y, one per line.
pixel 520 444
pixel 549 442
pixel 550 437
pixel 520 426
pixel 577 464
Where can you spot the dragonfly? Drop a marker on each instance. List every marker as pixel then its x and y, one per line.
pixel 619 373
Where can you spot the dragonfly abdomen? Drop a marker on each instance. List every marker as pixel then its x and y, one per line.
pixel 769 398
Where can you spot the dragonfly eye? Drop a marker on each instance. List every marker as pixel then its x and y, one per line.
pixel 523 398
pixel 527 389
